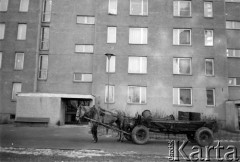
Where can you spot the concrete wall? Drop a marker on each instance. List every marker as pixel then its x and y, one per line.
pixel 233 42
pixel 160 52
pixel 45 107
pixel 64 34
pixel 9 46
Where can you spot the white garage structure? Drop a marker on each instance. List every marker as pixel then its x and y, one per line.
pixel 48 107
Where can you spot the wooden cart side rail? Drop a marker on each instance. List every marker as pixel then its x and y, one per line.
pixel 108 126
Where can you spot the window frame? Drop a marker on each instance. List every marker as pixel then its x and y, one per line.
pixel 179 11
pixel 84 47
pixel 140 95
pixel 110 10
pixel 142 9
pixel 45 12
pixel 20 36
pixel 178 96
pixel 214 97
pixel 40 69
pixel 234 79
pixel 86 20
pixel 6 6
pixel 178 41
pixel 108 35
pixel 16 65
pixel 106 93
pixel 231 25
pixel 234 51
pixel 2 31
pixel 213 69
pixel 178 68
pixel 114 68
pixel 44 42
pixel 140 67
pixel 205 11
pixel 21 6
pixel 82 80
pixel 205 38
pixel 14 93
pixel 142 41
pixel 1 58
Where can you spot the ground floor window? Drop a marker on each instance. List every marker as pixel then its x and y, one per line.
pixel 210 97
pixel 182 96
pixel 109 94
pixel 137 94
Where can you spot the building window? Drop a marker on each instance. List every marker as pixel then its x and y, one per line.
pixel 138 35
pixel 209 67
pixel 43 67
pixel 46 11
pixel 182 66
pixel 112 64
pixel 181 36
pixel 17 88
pixel 22 32
pixel 234 81
pixel 112 7
pixel 44 38
pixel 210 97
pixel 232 24
pixel 182 8
pixel 232 0
pixel 137 65
pixel 109 93
pixel 24 5
pixel 3 5
pixel 139 7
pixel 83 48
pixel 111 34
pixel 208 9
pixel 19 61
pixel 1 60
pixel 182 96
pixel 137 94
pixel 90 20
pixel 233 52
pixel 2 31
pixel 82 77
pixel 208 37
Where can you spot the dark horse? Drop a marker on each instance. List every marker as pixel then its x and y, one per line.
pixel 100 115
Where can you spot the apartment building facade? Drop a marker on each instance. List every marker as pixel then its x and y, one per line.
pixel 166 56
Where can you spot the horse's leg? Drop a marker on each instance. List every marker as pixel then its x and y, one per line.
pixel 94 132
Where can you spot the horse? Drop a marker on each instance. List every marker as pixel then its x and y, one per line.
pixel 100 115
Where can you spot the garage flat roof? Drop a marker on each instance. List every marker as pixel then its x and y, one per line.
pixel 56 95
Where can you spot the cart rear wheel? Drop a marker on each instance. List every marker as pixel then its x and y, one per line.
pixel 140 134
pixel 204 136
pixel 191 138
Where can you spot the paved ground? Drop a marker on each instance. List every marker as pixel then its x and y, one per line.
pixel 73 143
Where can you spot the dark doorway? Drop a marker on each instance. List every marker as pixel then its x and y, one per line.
pixel 71 109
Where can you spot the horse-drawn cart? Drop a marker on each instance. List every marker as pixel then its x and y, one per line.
pixel 137 129
pixel 199 132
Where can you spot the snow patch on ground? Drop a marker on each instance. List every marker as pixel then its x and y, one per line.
pixel 55 152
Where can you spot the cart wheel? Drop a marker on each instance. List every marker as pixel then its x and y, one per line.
pixel 191 138
pixel 140 134
pixel 204 136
